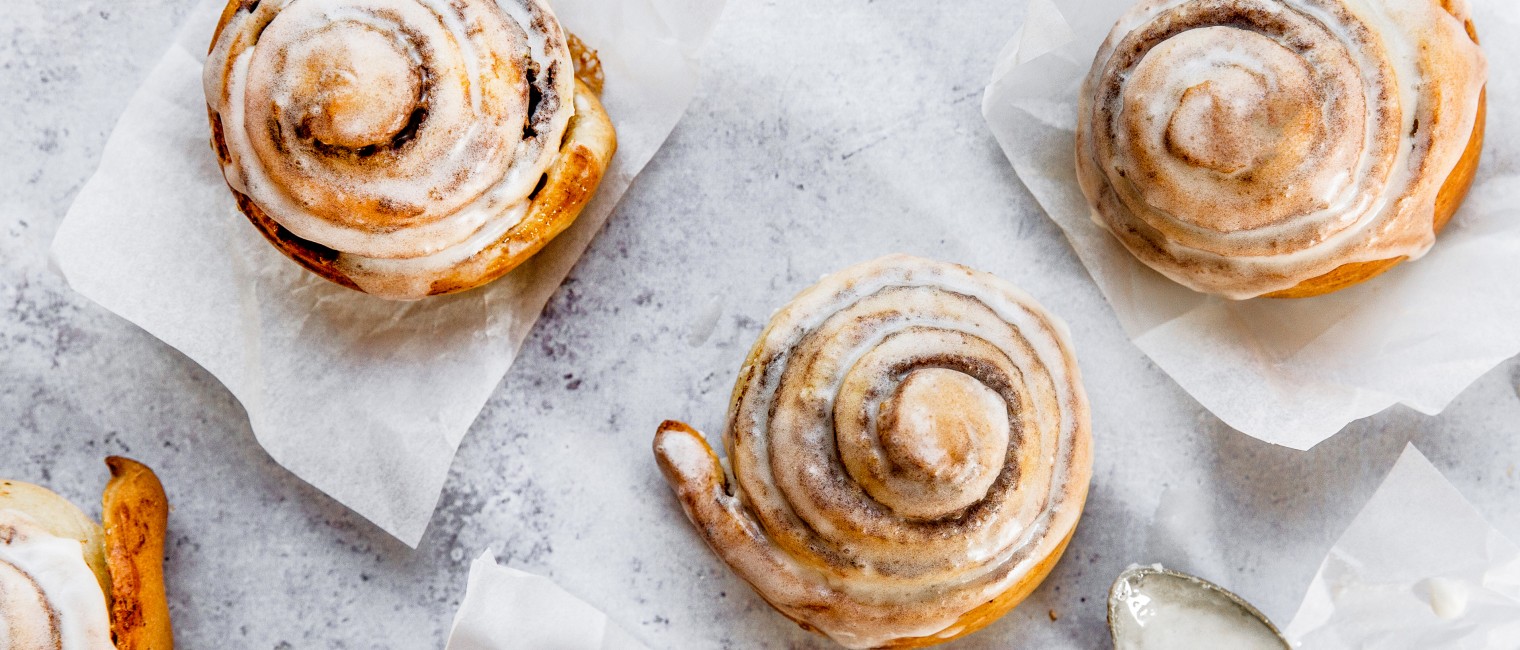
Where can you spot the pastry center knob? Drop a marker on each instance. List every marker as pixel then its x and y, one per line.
pixel 948 433
pixel 1244 100
pixel 359 89
pixel 1223 123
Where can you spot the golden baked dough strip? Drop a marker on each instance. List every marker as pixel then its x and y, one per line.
pixel 135 513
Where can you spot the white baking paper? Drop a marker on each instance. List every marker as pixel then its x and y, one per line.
pixel 1290 372
pixel 507 609
pixel 365 399
pixel 1418 568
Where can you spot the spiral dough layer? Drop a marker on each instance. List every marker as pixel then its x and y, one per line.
pixel 49 598
pixel 400 141
pixel 1241 147
pixel 910 449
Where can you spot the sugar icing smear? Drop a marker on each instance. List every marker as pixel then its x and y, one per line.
pixel 910 451
pixel 1241 147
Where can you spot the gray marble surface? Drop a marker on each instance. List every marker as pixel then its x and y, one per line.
pixel 823 134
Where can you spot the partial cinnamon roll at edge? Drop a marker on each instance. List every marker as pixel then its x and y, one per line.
pixel 910 450
pixel 69 583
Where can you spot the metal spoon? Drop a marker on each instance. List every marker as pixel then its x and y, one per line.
pixel 1152 608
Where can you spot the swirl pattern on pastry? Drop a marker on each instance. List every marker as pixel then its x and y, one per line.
pixel 49 597
pixel 1242 147
pixel 910 450
pixel 409 142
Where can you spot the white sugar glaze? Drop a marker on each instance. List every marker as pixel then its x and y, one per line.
pixel 49 598
pixel 1241 147
pixel 867 498
pixel 476 96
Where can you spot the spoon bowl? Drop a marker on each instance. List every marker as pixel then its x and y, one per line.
pixel 1153 608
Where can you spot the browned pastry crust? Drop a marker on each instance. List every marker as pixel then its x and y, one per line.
pixel 586 151
pixel 588 68
pixel 699 497
pixel 996 608
pixel 135 513
pixel 1448 200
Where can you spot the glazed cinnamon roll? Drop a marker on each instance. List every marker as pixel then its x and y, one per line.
pixel 406 148
pixel 68 583
pixel 1285 148
pixel 910 450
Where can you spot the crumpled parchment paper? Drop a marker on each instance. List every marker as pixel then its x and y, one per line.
pixel 1418 568
pixel 506 609
pixel 363 398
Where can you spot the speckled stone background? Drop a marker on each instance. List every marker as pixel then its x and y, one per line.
pixel 823 134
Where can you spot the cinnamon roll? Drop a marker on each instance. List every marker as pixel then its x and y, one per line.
pixel 1282 148
pixel 68 583
pixel 406 148
pixel 910 450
